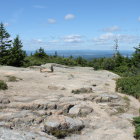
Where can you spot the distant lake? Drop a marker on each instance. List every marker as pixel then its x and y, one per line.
pixel 87 54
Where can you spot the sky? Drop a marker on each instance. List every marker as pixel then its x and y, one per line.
pixel 73 24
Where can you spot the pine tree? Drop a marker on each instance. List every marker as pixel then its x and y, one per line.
pixel 17 55
pixel 5 44
pixel 136 57
pixel 40 53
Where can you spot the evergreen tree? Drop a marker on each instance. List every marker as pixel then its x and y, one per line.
pixel 40 53
pixel 5 44
pixel 119 59
pixel 136 57
pixel 81 61
pixel 17 55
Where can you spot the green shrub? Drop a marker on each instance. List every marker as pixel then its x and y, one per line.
pixel 34 61
pixel 108 64
pixel 3 85
pixel 122 70
pixel 137 133
pixel 136 122
pixel 129 85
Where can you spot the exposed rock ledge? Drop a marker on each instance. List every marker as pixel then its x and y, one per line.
pixel 71 103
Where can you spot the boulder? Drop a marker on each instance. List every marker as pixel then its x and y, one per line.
pixel 80 110
pixel 61 126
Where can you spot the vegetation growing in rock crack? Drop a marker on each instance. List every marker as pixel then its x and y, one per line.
pixel 63 133
pixel 3 85
pixel 12 78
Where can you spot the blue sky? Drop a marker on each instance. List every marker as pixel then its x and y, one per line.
pixel 73 24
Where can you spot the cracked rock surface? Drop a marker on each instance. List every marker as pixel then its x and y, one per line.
pixel 72 103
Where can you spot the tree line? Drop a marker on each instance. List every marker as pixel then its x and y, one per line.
pixel 11 53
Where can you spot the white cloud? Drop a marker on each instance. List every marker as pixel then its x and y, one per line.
pixel 109 37
pixel 38 41
pixel 39 6
pixel 6 24
pixel 138 18
pixel 112 29
pixel 69 17
pixel 51 21
pixel 130 39
pixel 106 36
pixel 73 39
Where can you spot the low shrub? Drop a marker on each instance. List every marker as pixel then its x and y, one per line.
pixel 136 122
pixel 60 134
pixel 129 85
pixel 3 85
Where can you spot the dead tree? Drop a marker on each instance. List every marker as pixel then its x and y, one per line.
pixel 116 47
